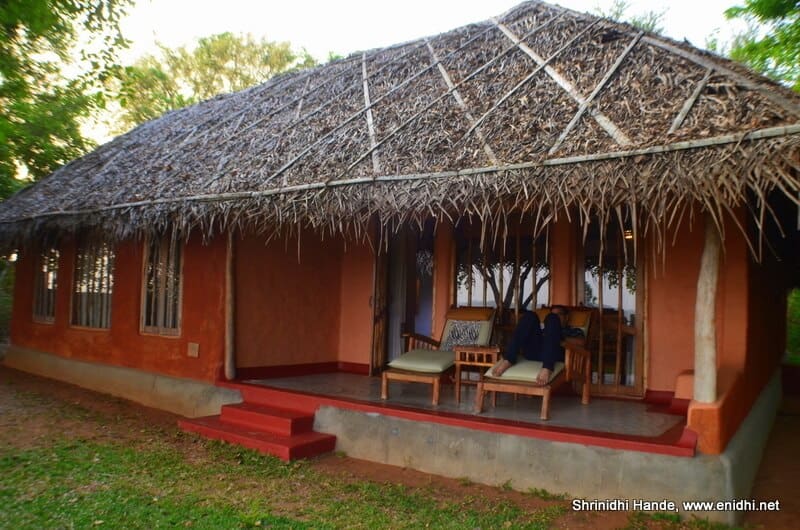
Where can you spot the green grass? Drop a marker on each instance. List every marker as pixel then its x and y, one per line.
pixel 87 484
pixel 546 495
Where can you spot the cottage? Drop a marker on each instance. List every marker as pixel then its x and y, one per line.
pixel 261 253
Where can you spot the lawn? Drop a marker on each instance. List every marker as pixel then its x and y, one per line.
pixel 70 458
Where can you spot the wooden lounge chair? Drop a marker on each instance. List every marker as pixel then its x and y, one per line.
pixel 521 377
pixel 426 359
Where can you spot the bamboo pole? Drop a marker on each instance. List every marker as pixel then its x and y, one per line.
pixel 705 339
pixel 604 121
pixel 689 103
pixel 451 87
pixel 470 275
pixel 601 344
pixel 501 281
pixel 535 283
pixel 620 282
pixel 517 275
pixel 785 103
pixel 543 64
pixel 600 86
pixel 484 273
pixel 376 167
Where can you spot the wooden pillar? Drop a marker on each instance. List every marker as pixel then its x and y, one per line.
pixel 705 332
pixel 230 358
pixel 563 247
pixel 443 270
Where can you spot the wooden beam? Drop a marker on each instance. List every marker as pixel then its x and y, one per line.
pixel 705 328
pixel 230 354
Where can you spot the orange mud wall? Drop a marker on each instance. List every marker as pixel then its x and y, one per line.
pixel 746 368
pixel 305 304
pixel 202 321
pixel 750 321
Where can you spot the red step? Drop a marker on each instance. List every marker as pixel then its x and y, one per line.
pixel 302 445
pixel 273 420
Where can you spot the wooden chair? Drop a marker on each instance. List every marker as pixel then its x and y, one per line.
pixel 427 359
pixel 521 378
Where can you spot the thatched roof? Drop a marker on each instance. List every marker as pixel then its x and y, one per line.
pixel 542 109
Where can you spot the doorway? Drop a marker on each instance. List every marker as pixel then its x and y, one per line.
pixel 610 277
pixel 404 292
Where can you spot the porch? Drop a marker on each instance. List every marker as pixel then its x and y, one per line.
pixel 606 422
pixel 611 449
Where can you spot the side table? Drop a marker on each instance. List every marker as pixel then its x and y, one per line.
pixel 470 355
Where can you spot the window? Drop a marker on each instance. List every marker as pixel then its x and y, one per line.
pixel 93 285
pixel 510 273
pixel 161 300
pixel 44 286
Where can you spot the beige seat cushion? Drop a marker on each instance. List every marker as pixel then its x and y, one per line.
pixel 426 361
pixel 525 371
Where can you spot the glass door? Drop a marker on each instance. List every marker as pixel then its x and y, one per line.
pixel 610 277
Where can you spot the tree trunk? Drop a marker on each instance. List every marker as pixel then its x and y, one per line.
pixel 705 338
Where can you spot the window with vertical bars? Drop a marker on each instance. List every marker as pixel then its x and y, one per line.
pixel 93 285
pixel 510 273
pixel 161 301
pixel 44 286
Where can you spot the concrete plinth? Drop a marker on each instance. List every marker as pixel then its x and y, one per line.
pixel 186 397
pixel 581 471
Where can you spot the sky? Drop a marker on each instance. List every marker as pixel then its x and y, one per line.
pixel 347 26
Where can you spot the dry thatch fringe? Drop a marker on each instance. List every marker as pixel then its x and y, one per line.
pixel 659 189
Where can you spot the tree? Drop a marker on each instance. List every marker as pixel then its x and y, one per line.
pixel 772 46
pixel 41 102
pixel 649 21
pixel 215 65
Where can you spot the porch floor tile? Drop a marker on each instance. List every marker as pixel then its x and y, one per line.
pixel 602 415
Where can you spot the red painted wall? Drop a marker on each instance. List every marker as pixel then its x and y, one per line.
pixel 203 318
pixel 287 300
pixel 670 299
pixel 672 288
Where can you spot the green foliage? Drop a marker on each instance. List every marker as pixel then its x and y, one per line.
pixel 217 64
pixel 42 100
pixel 793 326
pixel 648 21
pixel 546 495
pixel 772 45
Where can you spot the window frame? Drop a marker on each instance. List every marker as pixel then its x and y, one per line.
pixel 472 235
pixel 40 277
pixel 81 247
pixel 162 331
